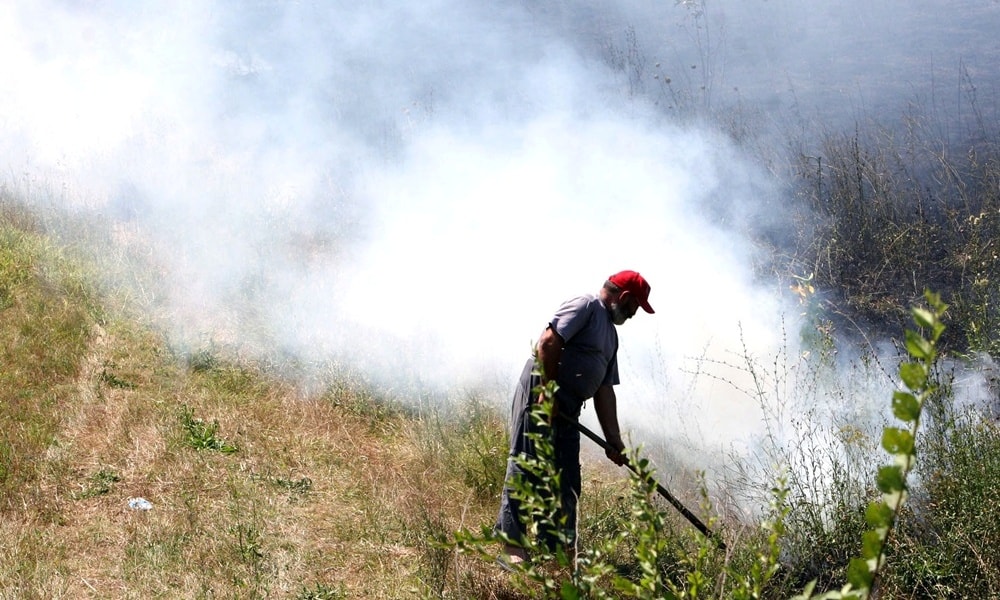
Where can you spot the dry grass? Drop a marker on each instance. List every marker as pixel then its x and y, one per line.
pixel 326 496
pixel 313 496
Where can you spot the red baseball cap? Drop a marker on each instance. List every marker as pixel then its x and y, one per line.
pixel 633 283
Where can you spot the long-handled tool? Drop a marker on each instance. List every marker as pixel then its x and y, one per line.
pixel 690 516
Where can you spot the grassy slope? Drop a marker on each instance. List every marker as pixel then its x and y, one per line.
pixel 329 496
pixel 334 495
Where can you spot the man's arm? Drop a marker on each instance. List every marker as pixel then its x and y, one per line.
pixel 548 352
pixel 606 406
pixel 549 349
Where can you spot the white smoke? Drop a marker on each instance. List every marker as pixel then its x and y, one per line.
pixel 413 188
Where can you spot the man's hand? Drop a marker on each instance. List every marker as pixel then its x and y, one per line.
pixel 616 453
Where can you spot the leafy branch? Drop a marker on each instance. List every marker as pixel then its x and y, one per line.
pixel 900 442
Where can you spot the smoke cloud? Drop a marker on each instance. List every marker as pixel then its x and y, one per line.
pixel 411 189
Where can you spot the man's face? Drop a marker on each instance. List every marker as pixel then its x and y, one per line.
pixel 624 309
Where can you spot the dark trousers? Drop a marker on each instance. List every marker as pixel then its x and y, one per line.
pixel 566 443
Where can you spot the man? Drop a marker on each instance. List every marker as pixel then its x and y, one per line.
pixel 579 351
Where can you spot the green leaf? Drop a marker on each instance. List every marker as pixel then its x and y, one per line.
pixel 871 544
pixel 934 299
pixel 897 441
pixel 923 317
pixel 917 346
pixel 569 591
pixel 889 479
pixel 905 406
pixel 859 575
pixel 878 515
pixel 914 375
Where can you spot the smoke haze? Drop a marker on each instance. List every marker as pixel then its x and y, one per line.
pixel 411 189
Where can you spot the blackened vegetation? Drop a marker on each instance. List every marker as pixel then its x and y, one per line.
pixel 891 212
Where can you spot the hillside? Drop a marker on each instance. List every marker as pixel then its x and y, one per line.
pixel 259 489
pixel 256 490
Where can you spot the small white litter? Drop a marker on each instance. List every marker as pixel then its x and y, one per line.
pixel 139 504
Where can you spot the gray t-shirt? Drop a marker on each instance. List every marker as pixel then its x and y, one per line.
pixel 590 356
